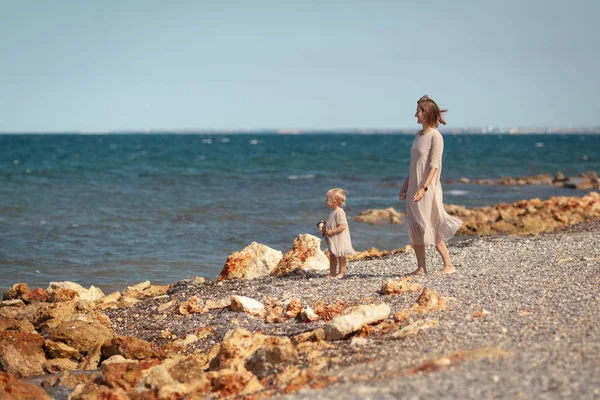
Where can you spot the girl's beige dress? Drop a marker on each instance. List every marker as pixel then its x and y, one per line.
pixel 340 245
pixel 428 222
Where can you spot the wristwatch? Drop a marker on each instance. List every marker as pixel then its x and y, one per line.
pixel 424 187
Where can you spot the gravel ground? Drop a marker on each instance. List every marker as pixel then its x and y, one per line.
pixel 539 336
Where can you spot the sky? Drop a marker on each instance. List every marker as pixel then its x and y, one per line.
pixel 111 65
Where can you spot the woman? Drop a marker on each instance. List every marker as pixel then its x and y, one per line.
pixel 428 222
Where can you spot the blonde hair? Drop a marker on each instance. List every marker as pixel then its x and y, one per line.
pixel 338 195
pixel 431 111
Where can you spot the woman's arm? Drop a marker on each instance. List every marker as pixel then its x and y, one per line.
pixel 402 195
pixel 437 148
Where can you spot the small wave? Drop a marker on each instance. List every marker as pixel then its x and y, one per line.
pixel 457 192
pixel 207 141
pixel 253 141
pixel 539 144
pixel 294 177
pixel 225 140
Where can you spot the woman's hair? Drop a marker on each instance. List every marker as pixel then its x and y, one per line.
pixel 338 195
pixel 431 111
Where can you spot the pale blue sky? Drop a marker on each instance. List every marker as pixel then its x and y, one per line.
pixel 126 64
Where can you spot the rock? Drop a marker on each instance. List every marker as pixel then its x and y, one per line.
pixel 60 350
pixel 12 388
pixel 123 375
pixel 81 335
pixel 63 294
pixel 93 293
pixel 237 346
pixel 198 280
pixel 464 180
pixel 117 359
pixel 247 305
pixel 400 286
pixel 579 183
pixel 375 217
pixel 343 325
pixel 21 353
pixel 129 347
pixel 60 364
pixel 307 314
pixel 12 324
pixel 12 303
pixel 414 328
pixel 272 356
pixel 254 261
pixel 305 254
pixel 218 304
pixel 193 305
pixel 37 295
pixel 560 177
pixel 16 291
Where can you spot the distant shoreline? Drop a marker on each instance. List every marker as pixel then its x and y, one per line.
pixel 284 132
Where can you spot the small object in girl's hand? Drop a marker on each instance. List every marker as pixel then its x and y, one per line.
pixel 321 226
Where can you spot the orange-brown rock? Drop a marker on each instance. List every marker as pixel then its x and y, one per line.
pixel 59 364
pixel 400 286
pixel 305 254
pixel 37 295
pixel 12 388
pixel 193 305
pixel 293 308
pixel 527 216
pixel 273 355
pixel 81 335
pixel 254 261
pixel 63 294
pixel 129 347
pixel 428 301
pixel 328 311
pixel 373 217
pixel 12 324
pixel 60 350
pixel 21 353
pixel 123 375
pixel 16 291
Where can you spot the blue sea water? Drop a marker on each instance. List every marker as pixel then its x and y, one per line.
pixel 112 210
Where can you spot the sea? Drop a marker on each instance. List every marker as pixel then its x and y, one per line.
pixel 117 209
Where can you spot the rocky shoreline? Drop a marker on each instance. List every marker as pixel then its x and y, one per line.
pixel 518 319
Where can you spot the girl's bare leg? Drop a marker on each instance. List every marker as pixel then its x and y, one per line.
pixel 342 268
pixel 448 267
pixel 420 253
pixel 332 265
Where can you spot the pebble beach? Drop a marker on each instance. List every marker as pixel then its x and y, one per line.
pixel 520 320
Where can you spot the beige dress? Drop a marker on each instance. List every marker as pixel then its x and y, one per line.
pixel 428 222
pixel 340 245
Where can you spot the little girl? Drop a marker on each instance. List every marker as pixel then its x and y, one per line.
pixel 337 233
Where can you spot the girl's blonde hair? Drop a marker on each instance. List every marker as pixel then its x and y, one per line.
pixel 338 195
pixel 431 111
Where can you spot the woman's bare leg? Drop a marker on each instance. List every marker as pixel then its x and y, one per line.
pixel 342 268
pixel 420 253
pixel 332 265
pixel 448 267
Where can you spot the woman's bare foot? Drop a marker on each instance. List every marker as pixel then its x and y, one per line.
pixel 418 271
pixel 329 276
pixel 447 270
pixel 339 276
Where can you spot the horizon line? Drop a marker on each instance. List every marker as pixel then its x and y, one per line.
pixel 299 131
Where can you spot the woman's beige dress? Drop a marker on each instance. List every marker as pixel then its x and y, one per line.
pixel 340 245
pixel 428 222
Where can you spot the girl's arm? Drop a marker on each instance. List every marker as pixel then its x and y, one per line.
pixel 337 230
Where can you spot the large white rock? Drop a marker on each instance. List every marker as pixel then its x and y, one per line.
pixel 343 325
pixel 91 294
pixel 247 305
pixel 254 261
pixel 305 254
